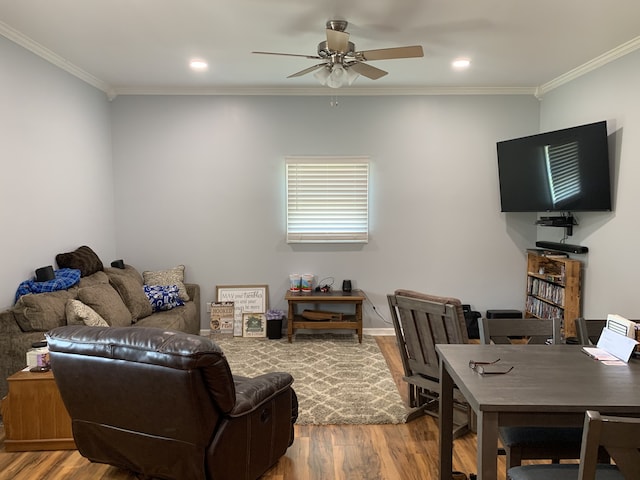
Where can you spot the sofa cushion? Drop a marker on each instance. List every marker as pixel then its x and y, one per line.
pixel 83 258
pixel 40 312
pixel 172 276
pixel 93 279
pixel 107 303
pixel 78 313
pixel 127 271
pixel 132 293
pixel 167 320
pixel 163 297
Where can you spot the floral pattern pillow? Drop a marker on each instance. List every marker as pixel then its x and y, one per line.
pixel 163 297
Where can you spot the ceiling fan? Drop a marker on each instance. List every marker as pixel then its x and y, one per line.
pixel 341 63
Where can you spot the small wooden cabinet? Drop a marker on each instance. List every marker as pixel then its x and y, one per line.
pixel 553 288
pixel 34 416
pixel 349 322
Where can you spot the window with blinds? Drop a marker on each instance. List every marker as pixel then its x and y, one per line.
pixel 327 199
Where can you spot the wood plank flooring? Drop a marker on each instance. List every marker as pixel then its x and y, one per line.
pixel 333 452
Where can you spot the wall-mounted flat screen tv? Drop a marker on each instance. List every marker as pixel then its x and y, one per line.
pixel 561 171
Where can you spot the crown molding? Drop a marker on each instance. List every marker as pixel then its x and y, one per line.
pixel 327 92
pixel 610 56
pixel 112 92
pixel 53 58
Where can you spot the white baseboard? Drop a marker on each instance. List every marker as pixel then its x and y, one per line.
pixel 366 331
pixel 384 331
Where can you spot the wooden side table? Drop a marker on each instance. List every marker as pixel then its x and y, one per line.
pixel 34 416
pixel 349 322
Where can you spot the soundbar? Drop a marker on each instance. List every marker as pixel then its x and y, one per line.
pixel 562 247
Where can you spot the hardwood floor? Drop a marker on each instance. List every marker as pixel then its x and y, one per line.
pixel 334 452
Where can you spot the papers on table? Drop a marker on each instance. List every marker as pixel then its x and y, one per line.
pixel 621 325
pixel 612 347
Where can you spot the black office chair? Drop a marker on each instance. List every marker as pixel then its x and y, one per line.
pixel 620 436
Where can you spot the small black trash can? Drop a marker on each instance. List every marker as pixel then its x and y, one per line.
pixel 274 329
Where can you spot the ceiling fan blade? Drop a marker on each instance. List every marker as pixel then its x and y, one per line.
pixel 367 70
pixel 337 41
pixel 389 53
pixel 312 57
pixel 307 70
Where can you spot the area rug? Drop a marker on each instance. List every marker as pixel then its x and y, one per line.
pixel 337 379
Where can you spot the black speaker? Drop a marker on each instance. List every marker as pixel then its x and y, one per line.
pixel 562 247
pixel 346 286
pixel 45 274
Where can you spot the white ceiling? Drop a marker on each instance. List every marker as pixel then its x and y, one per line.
pixel 144 46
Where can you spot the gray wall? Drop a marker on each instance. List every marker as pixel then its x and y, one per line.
pixel 610 93
pixel 200 181
pixel 160 180
pixel 56 186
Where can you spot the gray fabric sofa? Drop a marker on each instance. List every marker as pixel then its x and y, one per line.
pixel 114 293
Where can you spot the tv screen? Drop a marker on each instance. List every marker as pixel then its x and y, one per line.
pixel 564 170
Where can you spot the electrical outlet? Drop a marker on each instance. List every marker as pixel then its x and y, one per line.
pixel 209 307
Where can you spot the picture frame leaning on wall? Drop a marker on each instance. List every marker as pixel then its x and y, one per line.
pixel 246 299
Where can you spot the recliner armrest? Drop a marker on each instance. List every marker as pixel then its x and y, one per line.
pixel 253 392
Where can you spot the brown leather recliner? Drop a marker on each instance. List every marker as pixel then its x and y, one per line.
pixel 164 404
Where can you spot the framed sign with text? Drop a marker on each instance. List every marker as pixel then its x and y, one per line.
pixel 246 299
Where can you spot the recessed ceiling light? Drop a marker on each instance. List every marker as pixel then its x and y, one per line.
pixel 198 65
pixel 461 63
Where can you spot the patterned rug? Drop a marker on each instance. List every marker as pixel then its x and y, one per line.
pixel 337 380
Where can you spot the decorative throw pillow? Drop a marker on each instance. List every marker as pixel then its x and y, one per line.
pixel 127 271
pixel 163 297
pixel 107 303
pixel 132 294
pixel 83 259
pixel 172 276
pixel 78 312
pixel 40 312
pixel 93 279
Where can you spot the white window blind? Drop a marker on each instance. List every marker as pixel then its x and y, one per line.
pixel 327 199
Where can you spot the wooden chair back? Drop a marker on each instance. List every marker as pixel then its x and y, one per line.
pixel 588 331
pixel 420 322
pixel 620 436
pixel 527 330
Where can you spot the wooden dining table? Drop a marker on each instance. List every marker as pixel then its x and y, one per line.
pixel 549 385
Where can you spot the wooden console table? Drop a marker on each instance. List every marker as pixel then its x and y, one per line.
pixel 34 416
pixel 349 322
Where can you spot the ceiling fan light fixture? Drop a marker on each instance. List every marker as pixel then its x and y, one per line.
pixel 323 74
pixel 351 76
pixel 338 76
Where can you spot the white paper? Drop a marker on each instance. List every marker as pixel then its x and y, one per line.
pixel 617 345
pixel 600 354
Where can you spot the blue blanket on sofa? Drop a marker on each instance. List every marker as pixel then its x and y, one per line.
pixel 64 278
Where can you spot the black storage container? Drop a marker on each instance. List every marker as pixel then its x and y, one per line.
pixel 504 314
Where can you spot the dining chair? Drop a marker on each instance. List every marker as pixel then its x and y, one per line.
pixel 420 322
pixel 531 331
pixel 531 443
pixel 619 436
pixel 588 331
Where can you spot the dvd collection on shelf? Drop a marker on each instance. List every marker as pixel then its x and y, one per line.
pixel 541 309
pixel 545 290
